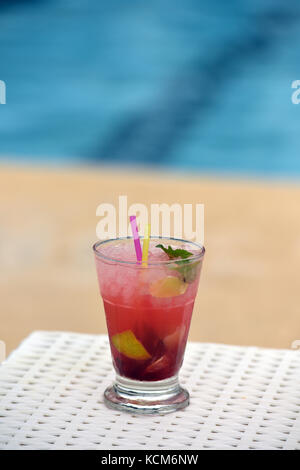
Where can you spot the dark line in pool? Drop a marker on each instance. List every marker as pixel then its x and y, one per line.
pixel 150 136
pixel 13 3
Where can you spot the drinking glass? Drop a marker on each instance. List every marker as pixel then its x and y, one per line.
pixel 148 308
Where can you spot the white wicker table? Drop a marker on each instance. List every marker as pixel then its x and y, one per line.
pixel 241 398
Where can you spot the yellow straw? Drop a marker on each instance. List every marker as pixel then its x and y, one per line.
pixel 146 245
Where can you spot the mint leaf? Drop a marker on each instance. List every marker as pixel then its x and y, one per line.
pixel 178 253
pixel 187 269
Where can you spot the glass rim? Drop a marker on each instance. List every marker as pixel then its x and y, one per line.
pixel 195 257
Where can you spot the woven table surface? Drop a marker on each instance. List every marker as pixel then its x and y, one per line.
pixel 51 391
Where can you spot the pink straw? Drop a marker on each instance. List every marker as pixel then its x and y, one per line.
pixel 136 238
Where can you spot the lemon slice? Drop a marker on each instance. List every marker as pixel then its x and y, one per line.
pixel 169 286
pixel 127 344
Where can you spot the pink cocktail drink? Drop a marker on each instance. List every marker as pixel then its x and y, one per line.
pixel 148 311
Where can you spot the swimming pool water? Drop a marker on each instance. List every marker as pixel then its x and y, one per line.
pixel 201 86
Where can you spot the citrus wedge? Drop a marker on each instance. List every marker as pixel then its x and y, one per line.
pixel 169 286
pixel 158 365
pixel 127 344
pixel 173 340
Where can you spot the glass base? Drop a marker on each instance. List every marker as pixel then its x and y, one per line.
pixel 134 396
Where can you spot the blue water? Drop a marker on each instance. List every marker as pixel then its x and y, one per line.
pixel 187 85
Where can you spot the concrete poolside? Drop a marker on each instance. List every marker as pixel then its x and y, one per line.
pixel 249 291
